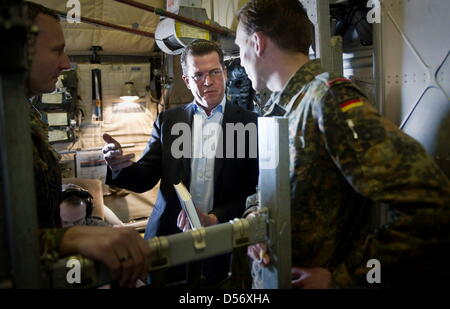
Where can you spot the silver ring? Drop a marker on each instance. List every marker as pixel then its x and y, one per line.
pixel 124 259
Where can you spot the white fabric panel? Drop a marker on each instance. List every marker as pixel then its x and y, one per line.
pixel 127 128
pixel 80 37
pixel 132 128
pixel 224 11
pixel 114 77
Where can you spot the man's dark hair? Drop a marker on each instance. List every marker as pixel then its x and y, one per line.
pixel 284 21
pixel 34 9
pixel 200 48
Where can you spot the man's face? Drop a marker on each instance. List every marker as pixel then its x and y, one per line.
pixel 49 59
pixel 206 79
pixel 248 57
pixel 72 214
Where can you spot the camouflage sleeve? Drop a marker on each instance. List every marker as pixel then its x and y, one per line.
pixel 50 240
pixel 385 165
pixel 412 251
pixel 377 159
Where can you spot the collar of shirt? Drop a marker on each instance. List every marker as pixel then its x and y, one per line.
pixel 302 77
pixel 198 109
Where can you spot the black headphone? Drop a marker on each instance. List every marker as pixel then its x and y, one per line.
pixel 81 193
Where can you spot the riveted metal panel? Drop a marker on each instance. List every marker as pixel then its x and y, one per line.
pixel 414 67
pixel 415 44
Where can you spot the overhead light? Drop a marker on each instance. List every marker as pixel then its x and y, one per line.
pixel 129 93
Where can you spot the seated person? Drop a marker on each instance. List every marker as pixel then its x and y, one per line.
pixel 77 207
pixel 95 188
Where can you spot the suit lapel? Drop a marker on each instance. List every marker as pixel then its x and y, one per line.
pixel 188 117
pixel 230 116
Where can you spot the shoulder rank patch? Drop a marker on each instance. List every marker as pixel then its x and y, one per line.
pixel 338 80
pixel 345 107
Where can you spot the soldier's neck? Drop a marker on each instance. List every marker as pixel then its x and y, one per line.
pixel 285 67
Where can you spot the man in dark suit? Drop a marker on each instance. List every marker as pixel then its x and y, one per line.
pixel 191 144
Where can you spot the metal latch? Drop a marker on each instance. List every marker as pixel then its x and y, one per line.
pixel 160 249
pixel 241 232
pixel 199 238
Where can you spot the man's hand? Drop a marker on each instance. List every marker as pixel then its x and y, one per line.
pixel 183 221
pixel 205 220
pixel 259 253
pixel 112 152
pixel 122 250
pixel 311 278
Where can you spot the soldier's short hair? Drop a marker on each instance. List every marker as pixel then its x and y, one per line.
pixel 34 9
pixel 285 22
pixel 200 47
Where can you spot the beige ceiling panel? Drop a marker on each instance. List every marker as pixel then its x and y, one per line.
pixel 118 13
pixel 80 37
pixel 115 42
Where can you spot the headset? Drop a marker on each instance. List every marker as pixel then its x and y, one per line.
pixel 71 190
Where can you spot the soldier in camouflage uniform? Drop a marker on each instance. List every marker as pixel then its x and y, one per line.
pixel 47 179
pixel 125 253
pixel 345 160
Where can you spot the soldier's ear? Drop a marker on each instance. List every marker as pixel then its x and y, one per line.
pixel 259 41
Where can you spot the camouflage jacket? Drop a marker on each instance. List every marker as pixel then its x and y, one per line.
pixel 48 188
pixel 344 159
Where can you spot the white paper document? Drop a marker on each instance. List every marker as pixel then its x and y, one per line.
pixel 91 164
pixel 188 206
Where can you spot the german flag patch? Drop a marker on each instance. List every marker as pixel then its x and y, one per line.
pixel 345 107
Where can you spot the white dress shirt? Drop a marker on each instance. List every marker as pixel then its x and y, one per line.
pixel 205 137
